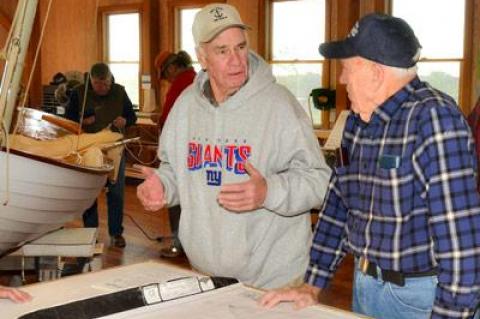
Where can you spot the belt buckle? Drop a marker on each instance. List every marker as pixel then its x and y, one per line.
pixel 363 265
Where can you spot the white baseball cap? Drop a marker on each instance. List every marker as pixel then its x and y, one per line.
pixel 213 19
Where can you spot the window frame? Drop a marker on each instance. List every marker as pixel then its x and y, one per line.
pixel 325 63
pixel 466 97
pixel 178 23
pixel 174 7
pixel 102 32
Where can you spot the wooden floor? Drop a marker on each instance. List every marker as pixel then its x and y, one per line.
pixel 140 248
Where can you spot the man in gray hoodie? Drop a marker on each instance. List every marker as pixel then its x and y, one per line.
pixel 238 153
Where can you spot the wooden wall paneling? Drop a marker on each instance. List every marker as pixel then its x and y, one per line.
pixel 35 90
pixel 475 76
pixel 163 24
pixel 369 6
pixel 170 23
pixel 466 85
pixel 5 20
pixel 151 11
pixel 344 13
pixel 5 23
pixel 263 19
pixel 327 65
pixel 8 9
pixel 249 10
pixel 70 37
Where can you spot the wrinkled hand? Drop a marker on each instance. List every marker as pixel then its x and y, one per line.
pixel 89 120
pixel 244 196
pixel 151 193
pixel 119 122
pixel 303 296
pixel 14 295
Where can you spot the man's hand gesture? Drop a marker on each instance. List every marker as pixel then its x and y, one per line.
pixel 244 196
pixel 151 193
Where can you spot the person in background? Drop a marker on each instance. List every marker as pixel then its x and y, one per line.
pixel 177 70
pixel 239 155
pixel 405 205
pixel 15 295
pixel 107 106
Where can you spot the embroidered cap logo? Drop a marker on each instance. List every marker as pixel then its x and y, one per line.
pixel 354 31
pixel 217 14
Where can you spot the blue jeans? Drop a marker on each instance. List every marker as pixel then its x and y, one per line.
pixel 115 195
pixel 380 299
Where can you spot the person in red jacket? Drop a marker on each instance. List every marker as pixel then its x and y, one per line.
pixel 176 68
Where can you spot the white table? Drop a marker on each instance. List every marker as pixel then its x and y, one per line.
pixel 235 301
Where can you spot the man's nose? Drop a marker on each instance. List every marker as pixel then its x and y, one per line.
pixel 235 58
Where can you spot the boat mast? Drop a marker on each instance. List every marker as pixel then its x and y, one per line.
pixel 15 52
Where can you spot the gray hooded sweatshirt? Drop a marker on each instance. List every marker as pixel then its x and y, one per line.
pixel 203 147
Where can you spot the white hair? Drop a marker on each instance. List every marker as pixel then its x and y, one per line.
pixel 403 72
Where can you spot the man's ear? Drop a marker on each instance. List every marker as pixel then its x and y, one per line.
pixel 201 55
pixel 378 75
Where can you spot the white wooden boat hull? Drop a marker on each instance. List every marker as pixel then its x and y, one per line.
pixel 36 194
pixel 42 195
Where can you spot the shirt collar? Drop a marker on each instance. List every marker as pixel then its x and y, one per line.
pixel 387 109
pixel 208 93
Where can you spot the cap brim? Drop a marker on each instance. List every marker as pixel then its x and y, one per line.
pixel 337 49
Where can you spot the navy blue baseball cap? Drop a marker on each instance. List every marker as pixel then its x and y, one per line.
pixel 380 38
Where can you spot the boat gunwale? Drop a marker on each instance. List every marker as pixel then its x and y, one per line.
pixel 84 169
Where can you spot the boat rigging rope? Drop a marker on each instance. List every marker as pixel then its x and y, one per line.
pixel 7 163
pixel 86 84
pixel 22 105
pixel 34 64
pixel 3 53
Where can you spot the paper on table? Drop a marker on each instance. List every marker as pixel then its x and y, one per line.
pixel 153 275
pixel 232 302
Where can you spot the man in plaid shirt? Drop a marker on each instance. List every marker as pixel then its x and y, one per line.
pixel 406 205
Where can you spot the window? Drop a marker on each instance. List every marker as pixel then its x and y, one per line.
pixel 296 30
pixel 186 43
pixel 441 34
pixel 123 51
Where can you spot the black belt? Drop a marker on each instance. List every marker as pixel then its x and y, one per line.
pixel 395 277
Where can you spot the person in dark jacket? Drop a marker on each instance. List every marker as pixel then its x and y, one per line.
pixel 107 106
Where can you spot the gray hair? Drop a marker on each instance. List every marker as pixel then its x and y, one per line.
pixel 403 72
pixel 100 71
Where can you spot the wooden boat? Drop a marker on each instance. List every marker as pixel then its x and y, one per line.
pixel 37 194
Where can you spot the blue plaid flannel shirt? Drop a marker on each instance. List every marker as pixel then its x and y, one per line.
pixel 407 199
